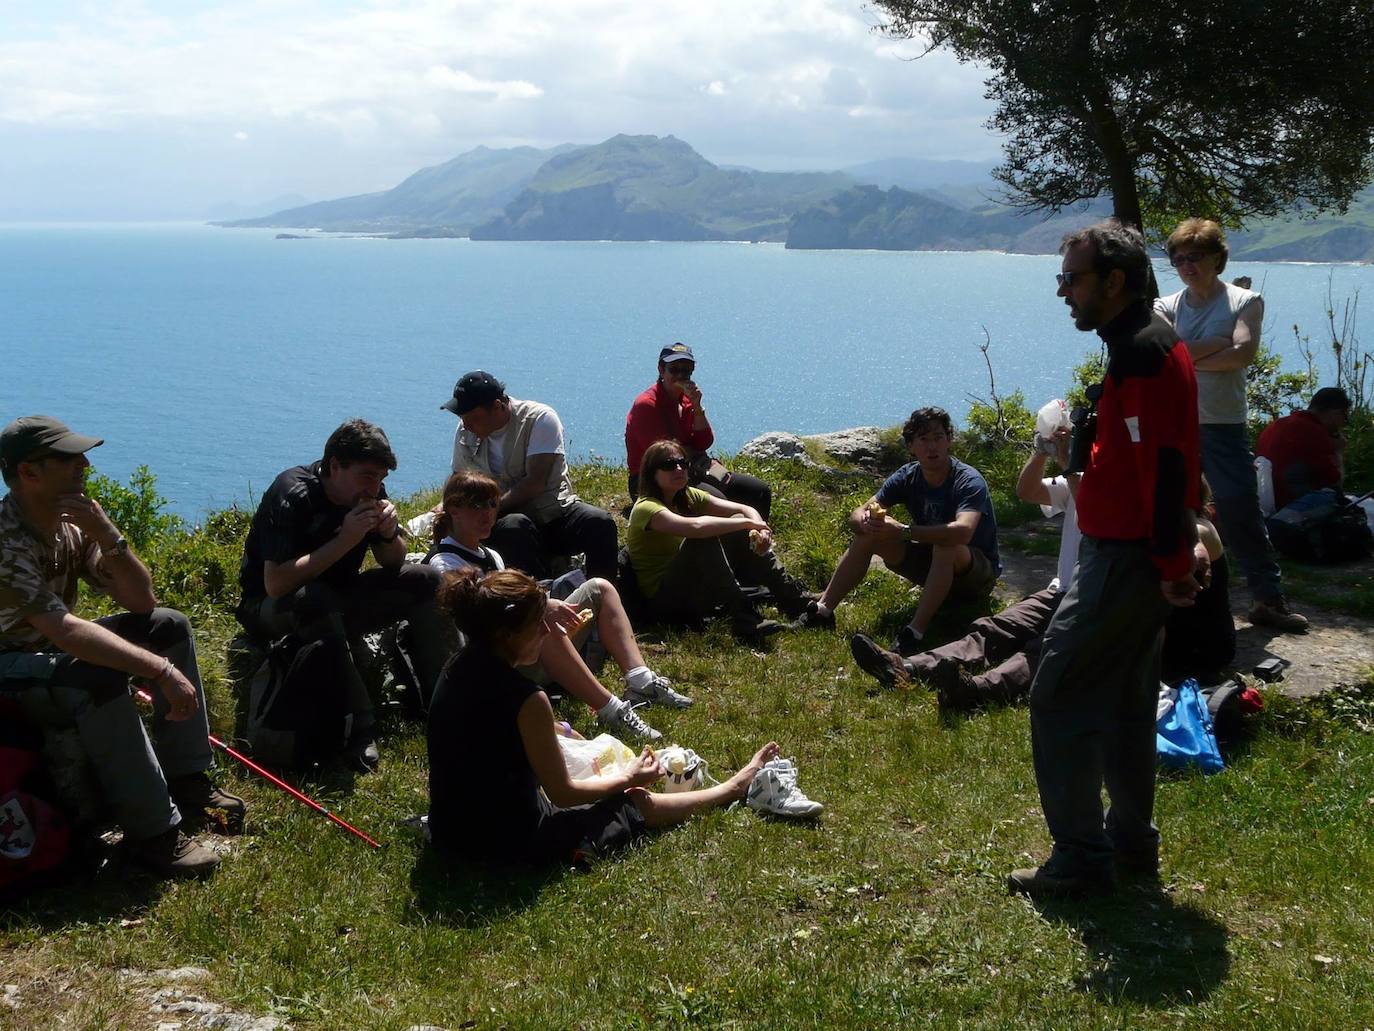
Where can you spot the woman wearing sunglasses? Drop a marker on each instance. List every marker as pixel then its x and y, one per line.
pixel 689 550
pixel 1220 322
pixel 468 513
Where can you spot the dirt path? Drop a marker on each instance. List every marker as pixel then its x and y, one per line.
pixel 1337 652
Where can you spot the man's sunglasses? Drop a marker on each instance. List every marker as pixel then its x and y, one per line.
pixel 1067 279
pixel 673 463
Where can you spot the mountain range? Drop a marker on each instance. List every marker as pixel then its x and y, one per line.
pixel 659 188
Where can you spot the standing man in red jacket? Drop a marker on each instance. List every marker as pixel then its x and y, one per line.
pixel 671 409
pixel 1094 695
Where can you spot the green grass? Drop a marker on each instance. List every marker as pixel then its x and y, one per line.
pixel 1345 589
pixel 888 912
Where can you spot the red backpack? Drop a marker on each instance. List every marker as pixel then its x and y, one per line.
pixel 34 836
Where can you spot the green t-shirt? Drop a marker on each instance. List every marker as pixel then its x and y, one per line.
pixel 651 552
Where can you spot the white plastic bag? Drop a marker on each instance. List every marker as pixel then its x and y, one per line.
pixel 602 756
pixel 1054 416
pixel 1264 484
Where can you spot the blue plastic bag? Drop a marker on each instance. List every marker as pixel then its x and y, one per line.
pixel 1183 732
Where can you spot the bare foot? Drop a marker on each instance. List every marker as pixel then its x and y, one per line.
pixel 739 783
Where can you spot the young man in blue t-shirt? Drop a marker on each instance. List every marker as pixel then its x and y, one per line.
pixel 950 545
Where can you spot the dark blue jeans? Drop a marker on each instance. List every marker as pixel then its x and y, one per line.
pixel 1230 469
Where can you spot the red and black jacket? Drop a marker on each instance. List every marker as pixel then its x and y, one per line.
pixel 1143 472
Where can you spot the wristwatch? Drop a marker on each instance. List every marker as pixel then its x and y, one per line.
pixel 118 549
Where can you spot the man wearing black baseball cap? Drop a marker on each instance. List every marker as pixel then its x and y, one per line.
pixel 671 409
pixel 71 673
pixel 519 444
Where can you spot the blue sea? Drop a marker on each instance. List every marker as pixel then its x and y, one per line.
pixel 219 357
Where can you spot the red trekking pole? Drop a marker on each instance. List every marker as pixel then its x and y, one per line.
pixel 267 775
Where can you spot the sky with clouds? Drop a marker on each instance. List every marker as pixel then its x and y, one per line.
pixel 147 109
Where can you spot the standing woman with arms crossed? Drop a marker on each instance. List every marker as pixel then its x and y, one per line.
pixel 1220 322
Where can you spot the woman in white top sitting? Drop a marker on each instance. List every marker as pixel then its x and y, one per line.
pixel 468 513
pixel 1220 322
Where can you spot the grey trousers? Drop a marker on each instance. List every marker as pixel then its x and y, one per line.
pixel 1093 709
pixel 60 693
pixel 1008 641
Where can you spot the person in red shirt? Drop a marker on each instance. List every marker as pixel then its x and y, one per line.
pixel 671 409
pixel 1304 448
pixel 1094 694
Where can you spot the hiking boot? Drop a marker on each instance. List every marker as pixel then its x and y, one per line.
pixel 625 721
pixel 658 691
pixel 1276 614
pixel 1143 865
pixel 755 629
pixel 173 854
pixel 361 752
pixel 774 790
pixel 197 797
pixel 907 643
pixel 813 618
pixel 955 690
pixel 1040 883
pixel 887 667
pixel 792 600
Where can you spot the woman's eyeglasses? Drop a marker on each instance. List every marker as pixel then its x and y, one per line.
pixel 1191 258
pixel 673 463
pixel 487 503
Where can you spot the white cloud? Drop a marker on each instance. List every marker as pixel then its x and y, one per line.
pixel 369 89
pixel 464 82
pixel 240 135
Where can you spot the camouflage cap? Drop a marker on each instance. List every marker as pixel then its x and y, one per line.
pixel 37 436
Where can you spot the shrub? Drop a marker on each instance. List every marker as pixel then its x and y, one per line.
pixel 996 442
pixel 135 509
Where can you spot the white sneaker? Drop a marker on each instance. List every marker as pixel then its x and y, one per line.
pixel 626 721
pixel 683 769
pixel 658 691
pixel 774 790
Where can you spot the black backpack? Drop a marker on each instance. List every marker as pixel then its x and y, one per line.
pixel 296 705
pixel 1322 527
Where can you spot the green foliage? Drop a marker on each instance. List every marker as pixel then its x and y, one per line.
pixel 996 441
pixel 1271 393
pixel 1090 370
pixel 1359 452
pixel 198 569
pixel 135 509
pixel 1093 100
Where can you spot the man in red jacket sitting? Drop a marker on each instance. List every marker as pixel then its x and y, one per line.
pixel 1304 448
pixel 671 409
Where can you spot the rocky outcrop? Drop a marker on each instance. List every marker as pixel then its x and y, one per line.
pixel 778 447
pixel 861 446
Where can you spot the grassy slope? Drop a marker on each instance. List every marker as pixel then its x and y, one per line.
pixel 889 912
